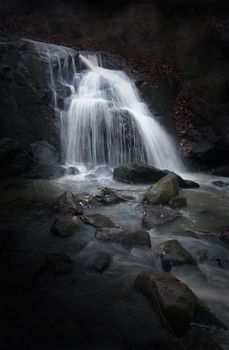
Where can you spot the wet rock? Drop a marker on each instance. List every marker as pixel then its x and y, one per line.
pixel 72 170
pixel 98 220
pixel 224 234
pixel 173 254
pixel 178 202
pixel 220 183
pixel 158 215
pixel 163 190
pixel 66 225
pixel 66 204
pixel 127 238
pixel 44 153
pixel 109 196
pixel 200 340
pixel 57 264
pixel 174 302
pixel 98 262
pixel 138 174
pixel 222 171
pixel 187 183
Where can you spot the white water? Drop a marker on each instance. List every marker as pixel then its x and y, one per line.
pixel 107 123
pixel 104 121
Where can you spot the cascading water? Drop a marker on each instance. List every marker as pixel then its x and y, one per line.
pixel 104 121
pixel 107 123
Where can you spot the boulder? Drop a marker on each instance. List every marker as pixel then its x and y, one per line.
pixel 66 225
pixel 220 183
pixel 109 196
pixel 175 303
pixel 66 204
pixel 98 220
pixel 98 262
pixel 127 238
pixel 164 190
pixel 173 254
pixel 138 174
pixel 178 202
pixel 157 215
pixel 72 170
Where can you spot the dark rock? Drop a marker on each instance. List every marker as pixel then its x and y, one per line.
pixel 98 262
pixel 222 171
pixel 127 238
pixel 109 196
pixel 174 302
pixel 220 183
pixel 158 215
pixel 72 170
pixel 163 190
pixel 138 174
pixel 66 204
pixel 98 220
pixel 44 153
pixel 57 264
pixel 224 234
pixel 66 225
pixel 187 183
pixel 200 340
pixel 174 254
pixel 178 202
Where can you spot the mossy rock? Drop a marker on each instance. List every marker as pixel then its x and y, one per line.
pixel 163 191
pixel 98 220
pixel 66 225
pixel 174 301
pixel 178 202
pixel 174 254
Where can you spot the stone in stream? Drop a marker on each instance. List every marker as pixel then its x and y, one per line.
pixel 66 204
pixel 220 183
pixel 172 254
pixel 224 234
pixel 175 303
pixel 127 238
pixel 163 191
pixel 157 215
pixel 109 196
pixel 177 202
pixel 145 174
pixel 66 225
pixel 98 262
pixel 98 220
pixel 72 170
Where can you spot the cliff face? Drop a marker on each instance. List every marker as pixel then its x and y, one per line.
pixel 193 36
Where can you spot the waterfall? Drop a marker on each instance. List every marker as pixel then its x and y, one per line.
pixel 103 119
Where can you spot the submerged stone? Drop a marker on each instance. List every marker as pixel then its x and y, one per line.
pixel 98 220
pixel 174 254
pixel 178 202
pixel 127 238
pixel 164 190
pixel 157 215
pixel 98 262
